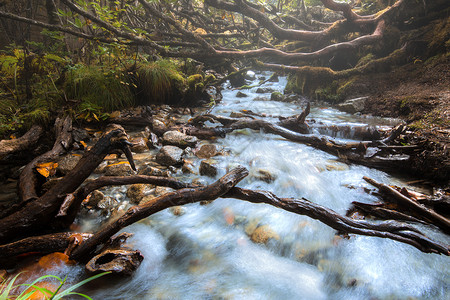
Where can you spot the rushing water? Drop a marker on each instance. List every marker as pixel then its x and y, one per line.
pixel 207 253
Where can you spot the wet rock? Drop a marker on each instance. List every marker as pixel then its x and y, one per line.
pixel 178 210
pixel 277 96
pixel 261 99
pixel 153 171
pixel 179 139
pixel 162 190
pixel 101 168
pixel 94 199
pixel 250 75
pixel 169 156
pixel 336 166
pixel 353 105
pixel 236 114
pixel 263 233
pixel 119 262
pixel 107 205
pixel 146 199
pixel 136 192
pixel 200 182
pixel 208 167
pixel 241 95
pixel 206 151
pixel 139 145
pixel 263 90
pixel 79 134
pixel 119 169
pixel 157 124
pixel 187 168
pixel 153 141
pixel 264 175
pixel 67 163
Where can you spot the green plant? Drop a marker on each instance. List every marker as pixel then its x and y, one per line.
pixel 103 87
pixel 7 288
pixel 158 82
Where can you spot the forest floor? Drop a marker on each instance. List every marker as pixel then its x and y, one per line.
pixel 418 93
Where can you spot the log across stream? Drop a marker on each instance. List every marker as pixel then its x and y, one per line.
pixel 239 250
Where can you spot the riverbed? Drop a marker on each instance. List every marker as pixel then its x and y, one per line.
pixel 212 251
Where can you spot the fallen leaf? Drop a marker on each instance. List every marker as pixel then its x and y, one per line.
pixel 47 169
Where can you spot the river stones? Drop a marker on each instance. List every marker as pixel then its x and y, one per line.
pixel 178 210
pixel 139 145
pixel 136 192
pixel 208 167
pixel 95 198
pixel 153 171
pixel 264 90
pixel 122 168
pixel 206 151
pixel 264 175
pixel 263 233
pixel 353 105
pixel 179 139
pixel 241 95
pixel 169 156
pixel 68 162
pixel 276 96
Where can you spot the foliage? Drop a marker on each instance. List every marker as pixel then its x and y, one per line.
pixel 98 89
pixel 7 288
pixel 158 82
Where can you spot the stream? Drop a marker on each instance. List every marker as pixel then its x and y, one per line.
pixel 208 251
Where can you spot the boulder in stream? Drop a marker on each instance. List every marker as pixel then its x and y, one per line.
pixel 122 168
pixel 169 156
pixel 263 233
pixel 139 145
pixel 353 105
pixel 208 167
pixel 206 151
pixel 179 139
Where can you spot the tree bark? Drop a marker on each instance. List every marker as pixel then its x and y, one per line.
pixel 40 213
pixel 22 143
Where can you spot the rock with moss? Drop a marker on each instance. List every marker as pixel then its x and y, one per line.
pixel 277 96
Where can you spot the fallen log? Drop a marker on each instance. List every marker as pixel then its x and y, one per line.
pixel 22 143
pixel 28 181
pixel 377 210
pixel 136 213
pixel 72 204
pixel 40 213
pixel 420 210
pixel 224 188
pixel 398 231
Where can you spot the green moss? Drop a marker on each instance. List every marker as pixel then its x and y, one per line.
pixel 194 79
pixel 365 60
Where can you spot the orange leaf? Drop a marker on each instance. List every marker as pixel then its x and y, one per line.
pixel 83 143
pixel 47 169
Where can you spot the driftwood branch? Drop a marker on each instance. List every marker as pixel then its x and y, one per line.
pixel 22 143
pixel 39 213
pixel 28 180
pixel 420 210
pixel 180 197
